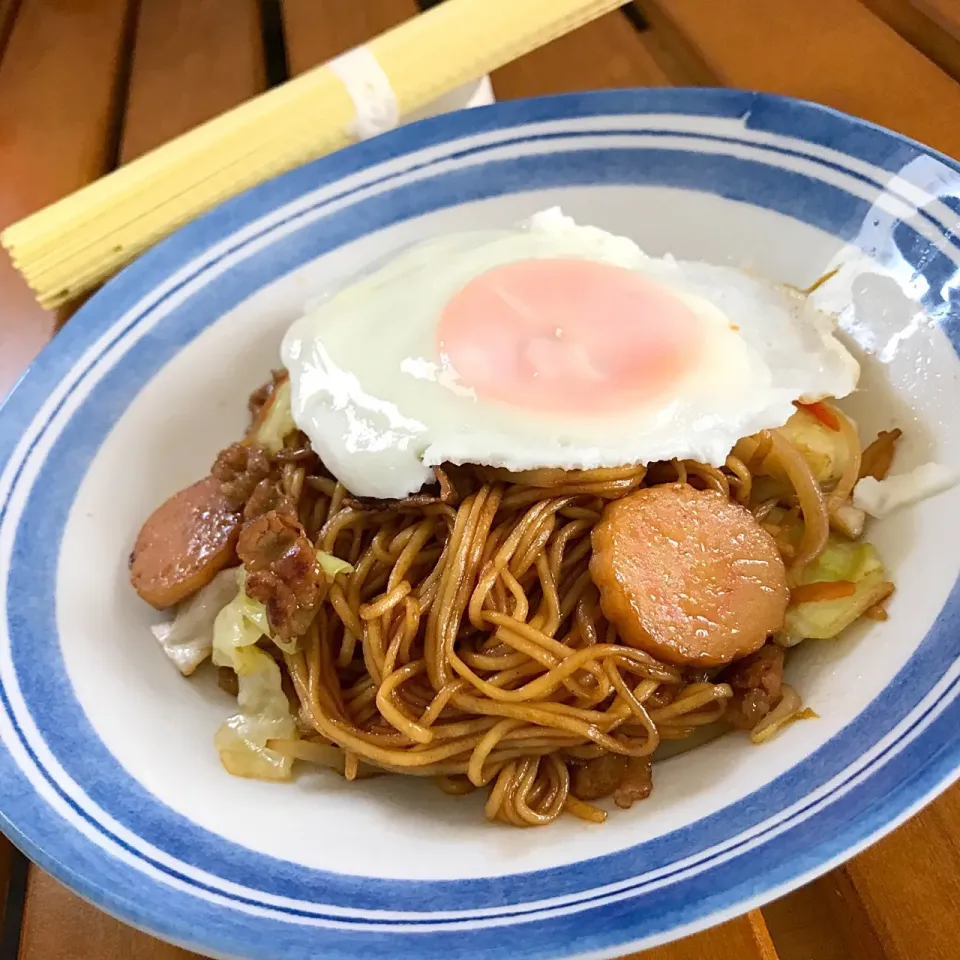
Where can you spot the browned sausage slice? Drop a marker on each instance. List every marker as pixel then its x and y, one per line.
pixel 688 575
pixel 184 544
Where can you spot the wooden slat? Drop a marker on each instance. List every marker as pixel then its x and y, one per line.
pixel 745 938
pixel 846 913
pixel 59 926
pixel 57 94
pixel 193 60
pixel 316 30
pixel 944 12
pixel 95 936
pixel 606 53
pixel 673 53
pixel 805 925
pixel 935 32
pixel 915 918
pixel 836 52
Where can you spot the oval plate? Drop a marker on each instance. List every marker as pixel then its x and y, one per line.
pixel 108 777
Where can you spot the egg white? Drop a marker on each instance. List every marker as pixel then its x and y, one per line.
pixel 381 406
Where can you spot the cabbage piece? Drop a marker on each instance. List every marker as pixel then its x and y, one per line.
pixel 233 628
pixel 848 519
pixel 254 612
pixel 880 498
pixel 264 708
pixel 188 639
pixel 264 715
pixel 824 449
pixel 840 560
pixel 332 565
pixel 278 423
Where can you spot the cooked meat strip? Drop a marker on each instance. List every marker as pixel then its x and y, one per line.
pixel 239 468
pixel 757 682
pixel 626 779
pixel 268 496
pixel 637 783
pixel 282 572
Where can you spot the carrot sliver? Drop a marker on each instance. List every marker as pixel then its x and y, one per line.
pixel 822 590
pixel 823 413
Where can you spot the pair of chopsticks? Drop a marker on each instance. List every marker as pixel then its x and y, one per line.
pixel 69 247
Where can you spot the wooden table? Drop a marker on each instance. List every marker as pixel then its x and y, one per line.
pixel 89 84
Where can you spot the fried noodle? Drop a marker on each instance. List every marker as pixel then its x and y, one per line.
pixel 467 644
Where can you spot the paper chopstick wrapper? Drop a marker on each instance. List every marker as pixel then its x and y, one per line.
pixel 72 245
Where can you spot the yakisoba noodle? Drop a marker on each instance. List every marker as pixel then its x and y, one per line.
pixel 467 644
pixel 459 633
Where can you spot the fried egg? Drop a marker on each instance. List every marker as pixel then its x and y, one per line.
pixel 549 345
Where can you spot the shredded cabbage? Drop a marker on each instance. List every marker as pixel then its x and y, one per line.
pixel 840 560
pixel 278 424
pixel 849 520
pixel 264 715
pixel 332 565
pixel 188 639
pixel 264 708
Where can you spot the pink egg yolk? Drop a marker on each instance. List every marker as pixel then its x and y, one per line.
pixel 567 335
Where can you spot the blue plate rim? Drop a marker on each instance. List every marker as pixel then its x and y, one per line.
pixel 128 280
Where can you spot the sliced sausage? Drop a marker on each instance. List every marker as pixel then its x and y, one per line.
pixel 688 575
pixel 184 544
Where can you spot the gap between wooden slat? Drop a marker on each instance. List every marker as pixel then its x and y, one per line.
pixel 274 46
pixel 944 12
pixel 121 86
pixel 670 49
pixel 635 17
pixel 7 855
pixel 8 10
pixel 927 32
pixel 11 910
